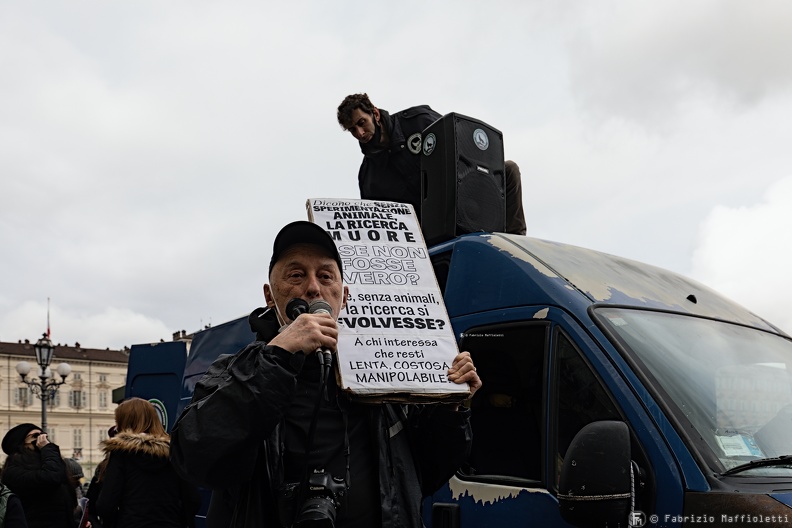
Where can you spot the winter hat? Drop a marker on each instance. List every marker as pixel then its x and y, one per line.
pixel 15 437
pixel 74 467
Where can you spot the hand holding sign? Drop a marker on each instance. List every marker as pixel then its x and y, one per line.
pixel 463 371
pixel 395 338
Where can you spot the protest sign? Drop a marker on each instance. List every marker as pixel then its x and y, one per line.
pixel 395 339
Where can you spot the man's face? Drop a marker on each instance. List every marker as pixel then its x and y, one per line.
pixel 363 125
pixel 31 438
pixel 306 272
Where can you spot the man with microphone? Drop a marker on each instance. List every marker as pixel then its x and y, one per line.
pixel 270 432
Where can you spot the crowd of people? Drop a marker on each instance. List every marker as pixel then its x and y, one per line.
pixel 134 486
pixel 276 442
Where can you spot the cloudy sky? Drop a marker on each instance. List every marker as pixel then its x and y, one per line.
pixel 149 150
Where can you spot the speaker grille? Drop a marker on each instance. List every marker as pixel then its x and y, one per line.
pixel 481 200
pixel 480 192
pixel 462 179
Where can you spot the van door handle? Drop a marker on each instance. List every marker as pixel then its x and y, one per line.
pixel 445 515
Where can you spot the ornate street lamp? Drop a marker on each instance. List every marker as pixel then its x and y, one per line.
pixel 46 386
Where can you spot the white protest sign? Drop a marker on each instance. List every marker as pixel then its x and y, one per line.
pixel 395 338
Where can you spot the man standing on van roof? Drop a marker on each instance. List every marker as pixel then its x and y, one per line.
pixel 263 423
pixel 391 146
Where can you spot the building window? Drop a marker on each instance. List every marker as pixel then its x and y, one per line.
pixel 23 397
pixel 103 399
pixel 54 402
pixel 102 378
pixel 76 376
pixel 77 399
pixel 102 434
pixel 77 438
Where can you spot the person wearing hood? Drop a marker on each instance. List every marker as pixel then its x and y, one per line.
pixel 36 473
pixel 391 146
pixel 75 472
pixel 139 487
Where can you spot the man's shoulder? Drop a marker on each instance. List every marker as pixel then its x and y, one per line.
pixel 415 112
pixel 408 124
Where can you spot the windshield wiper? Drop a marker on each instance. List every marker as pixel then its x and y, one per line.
pixel 783 460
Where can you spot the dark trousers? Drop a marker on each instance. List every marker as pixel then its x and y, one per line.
pixel 515 218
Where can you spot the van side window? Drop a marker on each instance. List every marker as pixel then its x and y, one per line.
pixel 580 398
pixel 506 413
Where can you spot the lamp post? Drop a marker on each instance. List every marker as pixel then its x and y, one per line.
pixel 46 386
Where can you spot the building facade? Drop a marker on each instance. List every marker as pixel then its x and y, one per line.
pixel 82 411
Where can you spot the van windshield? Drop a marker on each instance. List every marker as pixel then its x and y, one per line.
pixel 732 383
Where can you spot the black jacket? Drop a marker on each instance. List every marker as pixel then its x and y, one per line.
pixel 39 479
pixel 12 515
pixel 230 436
pixel 393 173
pixel 140 488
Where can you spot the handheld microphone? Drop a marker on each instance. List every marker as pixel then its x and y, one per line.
pixel 296 307
pixel 319 306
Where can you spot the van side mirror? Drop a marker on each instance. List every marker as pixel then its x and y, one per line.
pixel 595 487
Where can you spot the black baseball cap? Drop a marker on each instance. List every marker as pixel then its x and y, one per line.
pixel 303 232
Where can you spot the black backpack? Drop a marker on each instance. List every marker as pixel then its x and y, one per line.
pixel 5 494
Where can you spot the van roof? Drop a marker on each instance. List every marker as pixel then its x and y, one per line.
pixel 580 277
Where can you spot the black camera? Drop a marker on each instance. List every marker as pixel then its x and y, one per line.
pixel 323 496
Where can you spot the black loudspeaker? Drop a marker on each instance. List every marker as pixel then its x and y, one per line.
pixel 462 178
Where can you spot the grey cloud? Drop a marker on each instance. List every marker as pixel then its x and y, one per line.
pixel 642 60
pixel 741 251
pixel 150 150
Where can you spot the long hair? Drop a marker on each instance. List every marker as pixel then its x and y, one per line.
pixel 137 415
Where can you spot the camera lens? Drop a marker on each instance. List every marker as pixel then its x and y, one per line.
pixel 317 512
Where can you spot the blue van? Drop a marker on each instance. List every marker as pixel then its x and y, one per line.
pixel 615 393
